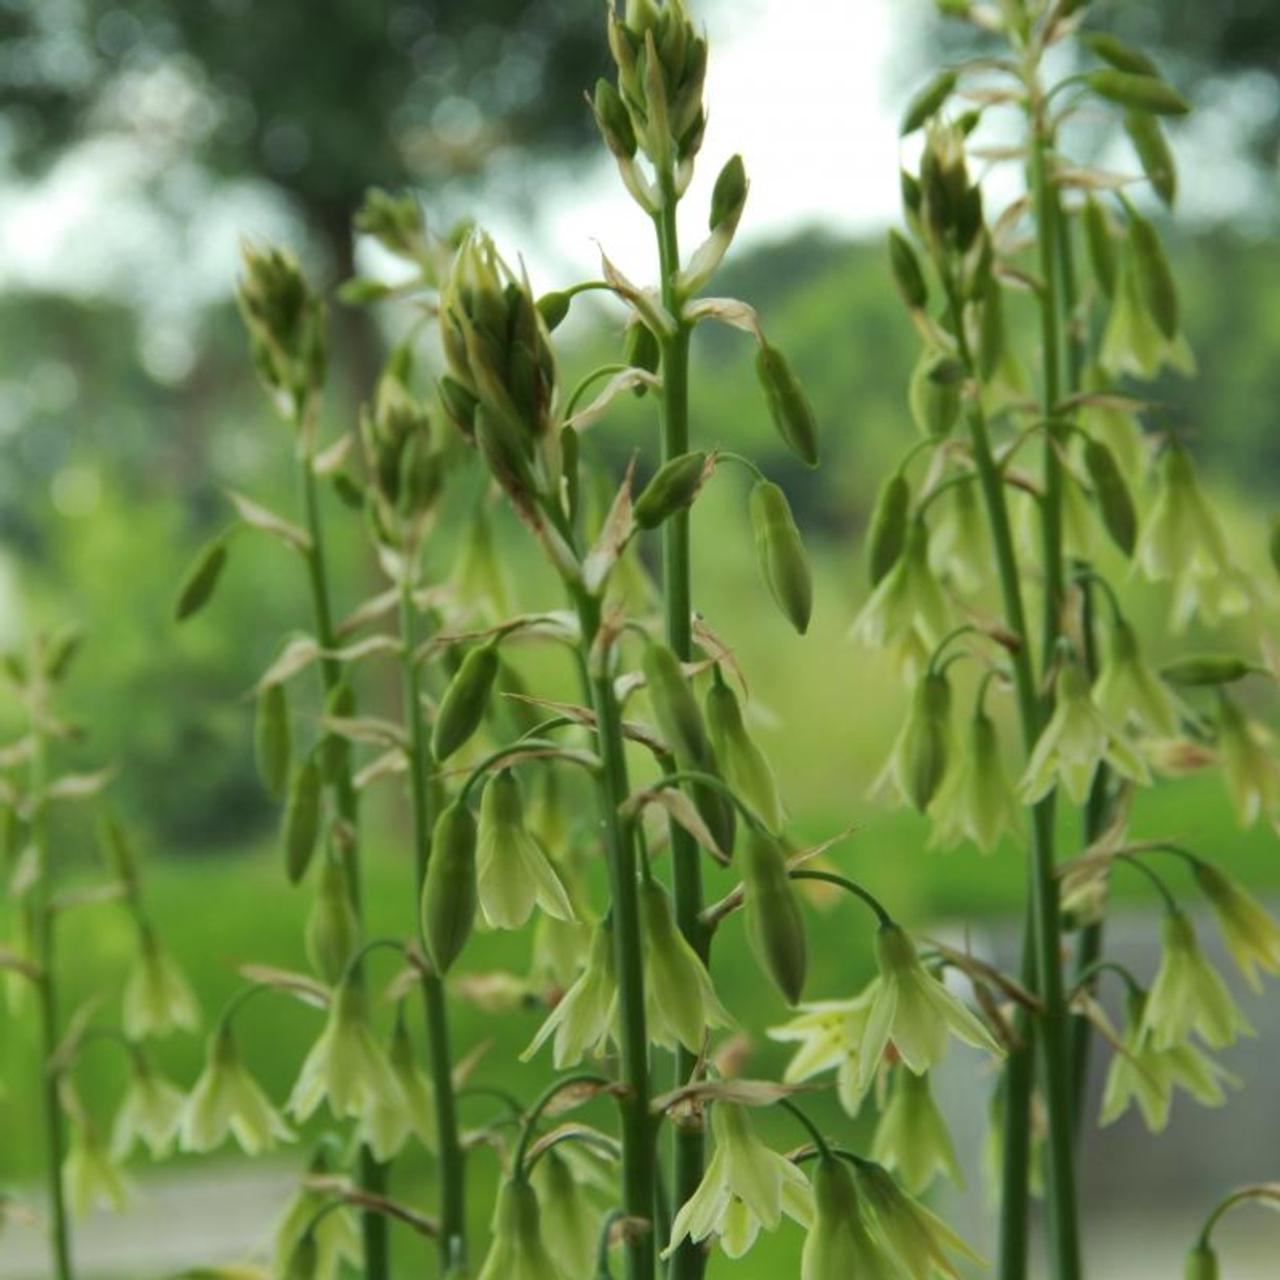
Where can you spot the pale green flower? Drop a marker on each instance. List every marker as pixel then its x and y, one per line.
pixel 829 1033
pixel 513 871
pixel 976 799
pixel 1189 994
pixel 335 1237
pixel 920 1240
pixel 570 1222
pixel 1249 930
pixel 518 1250
pixel 681 1005
pixel 157 997
pixel 1127 689
pixel 839 1245
pixel 390 1118
pixel 149 1113
pixel 1133 342
pixel 89 1175
pixel 912 1135
pixel 960 547
pixel 1250 770
pixel 913 1010
pixel 583 1016
pixel 226 1100
pixel 923 747
pixel 746 1186
pixel 1143 1073
pixel 907 606
pixel 346 1064
pixel 1076 740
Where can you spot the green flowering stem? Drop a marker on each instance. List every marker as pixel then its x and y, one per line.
pixel 372 1174
pixel 45 960
pixel 509 1100
pixel 453 1205
pixel 1084 979
pixel 1267 1192
pixel 1170 902
pixel 534 1114
pixel 821 1148
pixel 850 886
pixel 688 1261
pixel 525 743
pixel 357 956
pixel 676 776
pixel 587 382
pixel 951 482
pixel 727 455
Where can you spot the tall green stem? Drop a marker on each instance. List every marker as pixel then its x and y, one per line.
pixel 689 1260
pixel 47 999
pixel 452 1238
pixel 638 1132
pixel 373 1176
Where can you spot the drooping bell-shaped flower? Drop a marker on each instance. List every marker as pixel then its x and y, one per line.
pixel 829 1033
pixel 747 1186
pixel 90 1177
pixel 518 1250
pixel 1133 342
pixel 226 1100
pixel 1251 772
pixel 919 1239
pixel 335 1236
pixel 1128 690
pixel 912 1136
pixel 914 1011
pixel 976 799
pixel 149 1113
pixel 346 1065
pixel 907 605
pixel 512 869
pixel 157 997
pixel 391 1118
pixel 839 1245
pixel 1189 994
pixel 584 1015
pixel 960 548
pixel 1076 740
pixel 570 1221
pixel 1250 931
pixel 680 1003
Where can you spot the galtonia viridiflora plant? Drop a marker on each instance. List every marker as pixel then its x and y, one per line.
pixel 47 890
pixel 1040 458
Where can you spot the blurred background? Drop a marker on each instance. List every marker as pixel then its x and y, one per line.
pixel 141 140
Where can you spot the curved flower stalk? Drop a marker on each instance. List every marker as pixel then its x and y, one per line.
pixel 81 1168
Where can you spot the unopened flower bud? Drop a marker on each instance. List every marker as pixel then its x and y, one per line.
pixel 449 891
pixel 1201 1264
pixel 729 194
pixel 743 762
pixel 1115 505
pixel 333 931
pixel 788 405
pixel 272 741
pixel 463 706
pixel 934 394
pixel 906 271
pixel 614 120
pixel 673 488
pixel 887 530
pixel 780 553
pixel 775 924
pixel 301 824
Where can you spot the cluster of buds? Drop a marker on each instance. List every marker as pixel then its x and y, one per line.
pixel 657 105
pixel 285 321
pixel 500 390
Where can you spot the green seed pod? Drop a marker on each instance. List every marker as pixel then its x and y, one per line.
pixel 927 747
pixel 333 931
pixel 463 705
pixel 934 395
pixel 335 750
pixel 553 307
pixel 789 406
pixel 1153 152
pixel 614 120
pixel 1144 92
pixel 775 924
pixel 1203 669
pixel 906 271
pixel 744 763
pixel 1155 278
pixel 1201 1264
pixel 272 742
pixel 927 102
pixel 301 820
pixel 1101 247
pixel 887 531
pixel 197 587
pixel 1115 505
pixel 677 712
pixel 1120 54
pixel 449 891
pixel 672 489
pixel 729 194
pixel 780 553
